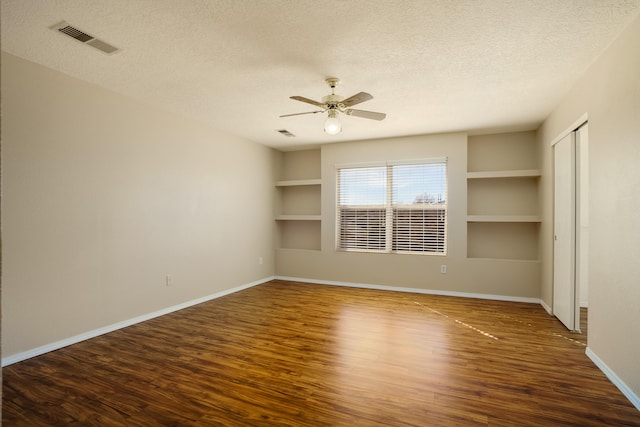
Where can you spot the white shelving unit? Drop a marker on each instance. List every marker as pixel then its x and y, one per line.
pixel 502 197
pixel 504 174
pixel 298 202
pixel 298 218
pixel 298 182
pixel 503 218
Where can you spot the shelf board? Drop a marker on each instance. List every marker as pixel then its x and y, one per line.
pixel 503 218
pixel 298 217
pixel 524 173
pixel 297 182
pixel 300 250
pixel 504 260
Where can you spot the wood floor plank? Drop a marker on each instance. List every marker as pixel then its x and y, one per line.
pixel 299 354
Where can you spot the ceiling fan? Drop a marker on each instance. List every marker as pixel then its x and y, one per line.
pixel 333 104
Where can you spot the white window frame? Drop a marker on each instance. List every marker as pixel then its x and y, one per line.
pixel 389 208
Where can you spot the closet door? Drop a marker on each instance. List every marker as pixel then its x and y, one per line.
pixel 564 261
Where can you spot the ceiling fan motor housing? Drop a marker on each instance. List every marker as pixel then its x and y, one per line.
pixel 333 101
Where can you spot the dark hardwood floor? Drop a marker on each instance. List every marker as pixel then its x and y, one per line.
pixel 584 318
pixel 296 354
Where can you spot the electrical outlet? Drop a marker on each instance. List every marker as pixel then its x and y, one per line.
pixel 167 280
pixel 260 260
pixel 443 269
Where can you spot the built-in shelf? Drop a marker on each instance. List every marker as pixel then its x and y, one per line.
pixel 298 201
pixel 504 174
pixel 504 260
pixel 298 250
pixel 297 182
pixel 298 218
pixel 502 199
pixel 503 218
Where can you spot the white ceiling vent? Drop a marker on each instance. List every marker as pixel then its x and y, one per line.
pixel 64 28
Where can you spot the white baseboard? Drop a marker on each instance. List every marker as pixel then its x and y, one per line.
pixel 546 307
pixel 110 328
pixel 629 394
pixel 413 290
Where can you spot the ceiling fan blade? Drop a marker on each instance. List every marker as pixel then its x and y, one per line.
pixel 299 114
pixel 356 99
pixel 307 100
pixel 366 114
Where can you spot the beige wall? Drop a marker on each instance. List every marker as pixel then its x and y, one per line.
pixel 466 275
pixel 609 92
pixel 103 197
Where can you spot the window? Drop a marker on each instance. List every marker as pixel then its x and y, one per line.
pixel 396 207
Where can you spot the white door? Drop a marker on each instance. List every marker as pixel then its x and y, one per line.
pixel 564 285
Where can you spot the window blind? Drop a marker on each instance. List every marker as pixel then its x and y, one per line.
pixel 362 211
pixel 395 207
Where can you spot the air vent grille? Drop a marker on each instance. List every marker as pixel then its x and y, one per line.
pixel 286 133
pixel 64 28
pixel 76 34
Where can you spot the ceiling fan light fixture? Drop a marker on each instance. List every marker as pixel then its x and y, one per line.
pixel 332 126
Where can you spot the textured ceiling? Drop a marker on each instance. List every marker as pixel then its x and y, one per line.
pixel 432 66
